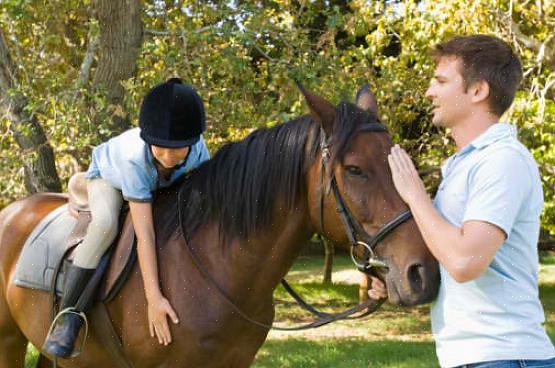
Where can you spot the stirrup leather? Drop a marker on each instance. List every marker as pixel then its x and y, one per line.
pixel 72 310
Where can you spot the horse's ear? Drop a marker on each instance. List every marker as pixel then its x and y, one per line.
pixel 322 111
pixel 366 100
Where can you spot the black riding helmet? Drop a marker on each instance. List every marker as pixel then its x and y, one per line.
pixel 172 115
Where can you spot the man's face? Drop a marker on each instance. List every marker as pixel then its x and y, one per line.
pixel 450 102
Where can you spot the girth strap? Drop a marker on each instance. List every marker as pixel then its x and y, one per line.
pixel 106 333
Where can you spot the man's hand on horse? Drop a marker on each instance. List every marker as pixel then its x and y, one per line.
pixel 378 290
pixel 405 177
pixel 157 321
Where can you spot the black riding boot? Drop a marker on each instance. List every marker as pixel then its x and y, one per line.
pixel 61 340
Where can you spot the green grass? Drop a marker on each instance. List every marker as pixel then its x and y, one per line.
pixel 393 337
pixel 300 353
pixel 547 258
pixel 547 294
pixel 32 356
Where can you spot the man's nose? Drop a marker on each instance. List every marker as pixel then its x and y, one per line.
pixel 429 93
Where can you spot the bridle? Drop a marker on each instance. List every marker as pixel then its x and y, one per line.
pixel 355 231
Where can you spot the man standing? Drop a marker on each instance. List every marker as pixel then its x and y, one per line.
pixel 483 224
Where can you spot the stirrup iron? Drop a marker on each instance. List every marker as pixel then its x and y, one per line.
pixel 83 316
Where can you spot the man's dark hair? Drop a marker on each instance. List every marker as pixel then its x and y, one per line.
pixel 485 58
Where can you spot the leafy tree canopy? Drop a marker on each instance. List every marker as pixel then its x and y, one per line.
pixel 243 56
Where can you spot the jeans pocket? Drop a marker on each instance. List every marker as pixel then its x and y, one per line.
pixel 496 364
pixel 550 363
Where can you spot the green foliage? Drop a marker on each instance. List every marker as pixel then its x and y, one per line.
pixel 243 58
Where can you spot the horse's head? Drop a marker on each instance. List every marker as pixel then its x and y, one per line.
pixel 352 199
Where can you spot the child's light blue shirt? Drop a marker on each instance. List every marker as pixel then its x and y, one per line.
pixel 127 163
pixel 497 316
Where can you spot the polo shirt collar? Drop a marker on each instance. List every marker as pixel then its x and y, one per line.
pixel 494 133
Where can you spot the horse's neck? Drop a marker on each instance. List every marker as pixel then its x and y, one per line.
pixel 239 266
pixel 252 268
pixel 278 250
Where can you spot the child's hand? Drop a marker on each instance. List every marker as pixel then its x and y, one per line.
pixel 158 309
pixel 378 290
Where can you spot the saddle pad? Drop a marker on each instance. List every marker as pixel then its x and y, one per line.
pixel 43 251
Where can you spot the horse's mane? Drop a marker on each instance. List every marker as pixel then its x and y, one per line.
pixel 240 185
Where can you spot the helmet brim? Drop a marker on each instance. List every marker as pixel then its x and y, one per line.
pixel 169 143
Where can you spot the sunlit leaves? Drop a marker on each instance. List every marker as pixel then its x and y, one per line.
pixel 243 56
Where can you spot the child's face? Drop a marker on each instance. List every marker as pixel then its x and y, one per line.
pixel 170 157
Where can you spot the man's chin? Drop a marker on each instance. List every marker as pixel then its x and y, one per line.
pixel 436 121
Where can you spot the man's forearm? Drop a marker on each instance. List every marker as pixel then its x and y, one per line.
pixel 464 251
pixel 443 239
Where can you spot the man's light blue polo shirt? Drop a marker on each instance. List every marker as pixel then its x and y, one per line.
pixel 498 315
pixel 127 163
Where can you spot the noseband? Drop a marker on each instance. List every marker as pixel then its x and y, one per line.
pixel 355 231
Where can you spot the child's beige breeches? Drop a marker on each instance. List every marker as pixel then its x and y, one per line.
pixel 105 203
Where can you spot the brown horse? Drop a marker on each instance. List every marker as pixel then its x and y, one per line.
pixel 244 212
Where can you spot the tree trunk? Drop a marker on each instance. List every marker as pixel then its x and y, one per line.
pixel 363 287
pixel 328 260
pixel 39 163
pixel 121 34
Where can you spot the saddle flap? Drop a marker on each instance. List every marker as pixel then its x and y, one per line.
pixel 121 262
pixel 43 250
pixel 54 236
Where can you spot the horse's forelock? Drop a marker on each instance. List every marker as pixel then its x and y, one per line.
pixel 349 119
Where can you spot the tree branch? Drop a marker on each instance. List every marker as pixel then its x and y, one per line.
pixel 85 71
pixel 153 32
pixel 39 163
pixel 545 50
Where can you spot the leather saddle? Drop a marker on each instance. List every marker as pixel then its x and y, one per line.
pixel 122 253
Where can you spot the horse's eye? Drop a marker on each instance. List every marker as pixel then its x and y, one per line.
pixel 354 170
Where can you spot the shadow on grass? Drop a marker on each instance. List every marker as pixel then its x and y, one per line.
pixel 336 298
pixel 354 353
pixel 320 293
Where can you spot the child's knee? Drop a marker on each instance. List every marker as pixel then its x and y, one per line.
pixel 105 225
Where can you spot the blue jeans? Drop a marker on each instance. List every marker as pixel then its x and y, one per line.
pixel 547 363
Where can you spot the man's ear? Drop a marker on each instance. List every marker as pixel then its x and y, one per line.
pixel 480 91
pixel 322 111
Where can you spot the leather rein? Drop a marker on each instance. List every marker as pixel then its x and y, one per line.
pixel 354 230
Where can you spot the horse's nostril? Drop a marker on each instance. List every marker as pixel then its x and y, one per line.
pixel 415 274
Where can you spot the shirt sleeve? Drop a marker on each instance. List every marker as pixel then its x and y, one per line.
pixel 203 154
pixel 498 187
pixel 136 183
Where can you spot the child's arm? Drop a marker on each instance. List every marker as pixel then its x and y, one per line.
pixel 158 305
